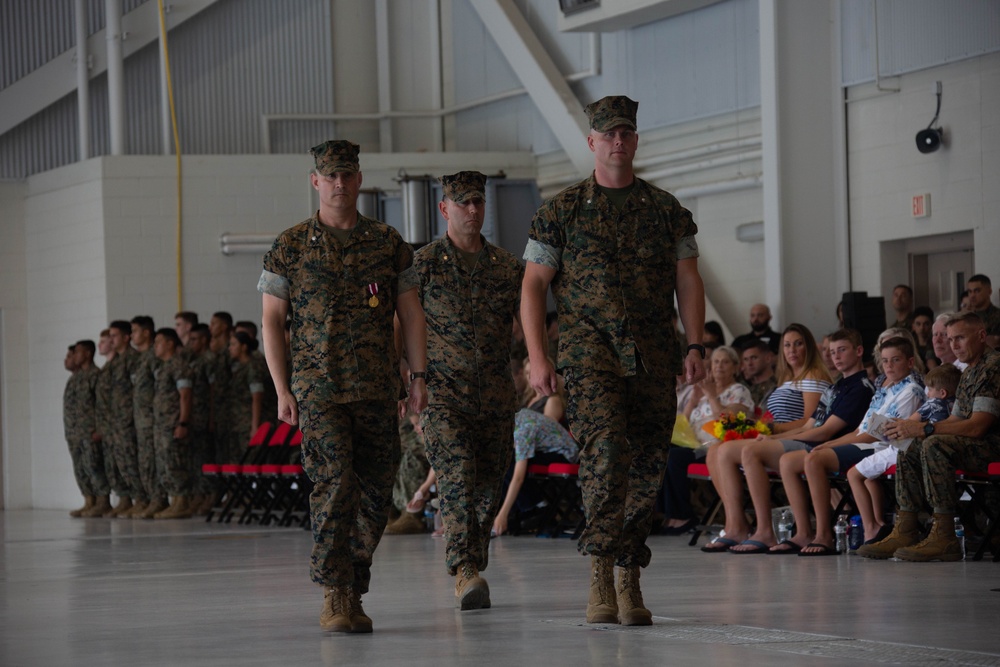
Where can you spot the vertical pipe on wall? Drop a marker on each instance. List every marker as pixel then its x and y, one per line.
pixel 82 79
pixel 165 121
pixel 437 124
pixel 384 74
pixel 116 75
pixel 771 158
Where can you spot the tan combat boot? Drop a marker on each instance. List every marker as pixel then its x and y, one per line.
pixel 102 505
pixel 471 590
pixel 408 523
pixel 602 607
pixel 360 621
pixel 178 509
pixel 336 614
pixel 631 610
pixel 905 533
pixel 154 508
pixel 88 503
pixel 206 506
pixel 138 509
pixel 941 544
pixel 124 505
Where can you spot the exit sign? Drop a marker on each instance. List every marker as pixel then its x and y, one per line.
pixel 921 206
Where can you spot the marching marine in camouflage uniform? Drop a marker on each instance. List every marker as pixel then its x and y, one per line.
pixel 171 424
pixel 615 248
pixel 143 381
pixel 342 277
pixel 469 292
pixel 969 440
pixel 122 417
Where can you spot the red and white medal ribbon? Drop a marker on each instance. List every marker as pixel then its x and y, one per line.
pixel 373 290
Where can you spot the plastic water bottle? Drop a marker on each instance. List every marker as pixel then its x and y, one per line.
pixel 855 533
pixel 429 517
pixel 785 525
pixel 840 532
pixel 960 534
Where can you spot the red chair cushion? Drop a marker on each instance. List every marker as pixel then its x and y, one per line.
pixel 211 469
pixel 570 469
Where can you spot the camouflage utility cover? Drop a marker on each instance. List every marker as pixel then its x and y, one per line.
pixel 611 112
pixel 334 156
pixel 463 186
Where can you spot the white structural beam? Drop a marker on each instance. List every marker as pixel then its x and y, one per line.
pixel 57 78
pixel 544 82
pixel 614 15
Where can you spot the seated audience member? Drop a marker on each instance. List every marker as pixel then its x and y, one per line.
pixel 713 335
pixel 840 314
pixel 802 379
pixel 538 440
pixel 902 306
pixel 824 352
pixel 980 293
pixel 760 329
pixel 941 384
pixel 939 340
pixel 919 367
pixel 757 370
pixel 968 439
pixel 719 393
pixel 963 301
pixel 413 467
pixel 839 412
pixel 553 406
pixel 923 322
pixel 898 395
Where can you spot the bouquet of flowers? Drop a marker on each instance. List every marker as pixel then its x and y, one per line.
pixel 741 427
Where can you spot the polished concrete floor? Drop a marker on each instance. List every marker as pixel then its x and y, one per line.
pixel 103 592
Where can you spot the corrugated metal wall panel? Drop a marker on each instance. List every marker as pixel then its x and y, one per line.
pixel 33 32
pixel 914 35
pixel 239 60
pixel 696 65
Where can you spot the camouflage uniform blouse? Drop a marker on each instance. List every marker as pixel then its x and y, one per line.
pixel 979 391
pixel 469 321
pixel 615 275
pixel 79 417
pixel 171 376
pixel 201 394
pixel 143 381
pixel 121 405
pixel 342 347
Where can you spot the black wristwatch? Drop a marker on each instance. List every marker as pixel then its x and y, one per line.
pixel 928 429
pixel 700 349
pixel 414 375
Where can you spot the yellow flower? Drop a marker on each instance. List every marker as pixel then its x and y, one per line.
pixel 720 430
pixel 741 416
pixel 762 428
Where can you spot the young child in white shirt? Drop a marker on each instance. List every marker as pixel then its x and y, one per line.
pixel 941 384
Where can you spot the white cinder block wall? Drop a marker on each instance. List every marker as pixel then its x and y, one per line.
pixel 14 404
pixel 64 239
pixel 886 169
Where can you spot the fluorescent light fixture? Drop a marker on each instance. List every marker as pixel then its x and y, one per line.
pixel 750 232
pixel 245 244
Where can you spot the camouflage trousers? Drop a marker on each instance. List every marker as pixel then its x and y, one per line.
pixel 350 452
pixel 413 466
pixel 111 474
pixel 149 473
pixel 925 472
pixel 623 425
pixel 126 454
pixel 173 462
pixel 202 452
pixel 470 454
pixel 88 468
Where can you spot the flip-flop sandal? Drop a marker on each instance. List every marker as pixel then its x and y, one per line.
pixel 758 548
pixel 725 543
pixel 790 548
pixel 824 550
pixel 883 533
